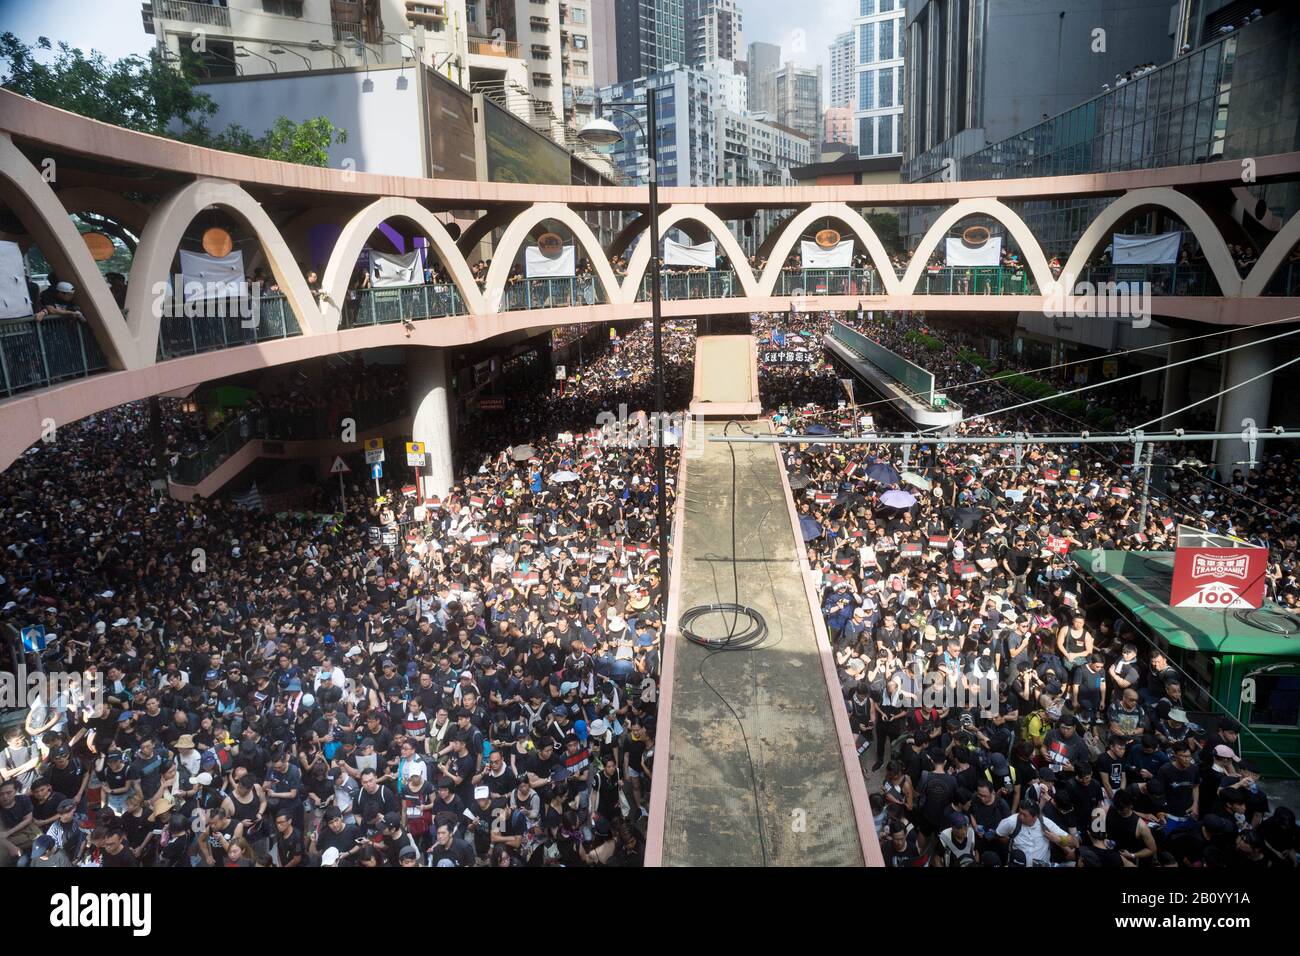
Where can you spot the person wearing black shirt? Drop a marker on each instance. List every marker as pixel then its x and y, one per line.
pixel 287 841
pixel 374 800
pixel 115 852
pixel 448 850
pixel 1180 779
pixel 338 835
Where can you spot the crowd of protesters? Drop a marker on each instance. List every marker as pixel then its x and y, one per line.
pixel 1017 719
pixel 470 680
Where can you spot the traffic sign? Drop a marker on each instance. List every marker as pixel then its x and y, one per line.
pixel 376 470
pixel 374 450
pixel 415 453
pixel 340 467
pixel 33 637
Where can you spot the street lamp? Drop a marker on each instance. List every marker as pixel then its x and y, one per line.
pixel 242 51
pixel 278 50
pixel 601 132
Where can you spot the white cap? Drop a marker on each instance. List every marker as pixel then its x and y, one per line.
pixel 482 793
pixel 330 857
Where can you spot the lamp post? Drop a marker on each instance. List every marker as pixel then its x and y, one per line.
pixel 245 51
pixel 601 132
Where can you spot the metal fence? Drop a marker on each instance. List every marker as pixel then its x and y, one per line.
pixel 402 303
pixel 1177 279
pixel 39 354
pixel 219 324
pixel 912 377
pixel 552 293
pixel 975 280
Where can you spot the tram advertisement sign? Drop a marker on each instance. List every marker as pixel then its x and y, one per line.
pixel 1217 577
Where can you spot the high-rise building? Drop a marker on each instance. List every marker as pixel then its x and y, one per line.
pixel 761 64
pixel 713 32
pixel 799 101
pixel 651 36
pixel 604 42
pixel 838 126
pixel 976 80
pixel 843 51
pixel 686 127
pixel 878 65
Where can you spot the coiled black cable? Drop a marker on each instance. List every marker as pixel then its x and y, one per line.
pixel 747 640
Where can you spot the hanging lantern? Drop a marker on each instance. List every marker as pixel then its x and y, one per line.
pixel 101 246
pixel 217 242
pixel 828 238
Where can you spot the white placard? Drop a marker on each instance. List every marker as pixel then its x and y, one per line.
pixel 540 266
pixel 838 256
pixel 957 253
pixel 680 254
pixel 218 277
pixel 1145 250
pixel 15 303
pixel 390 269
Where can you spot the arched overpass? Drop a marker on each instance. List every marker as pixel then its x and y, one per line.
pixel 157 187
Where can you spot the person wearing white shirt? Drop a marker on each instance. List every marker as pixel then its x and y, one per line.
pixel 1033 835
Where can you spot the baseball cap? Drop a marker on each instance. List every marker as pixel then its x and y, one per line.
pixel 958 820
pixel 1226 752
pixel 392 819
pixel 408 852
pixel 65 287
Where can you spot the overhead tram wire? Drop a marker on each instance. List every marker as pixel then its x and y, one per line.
pixel 1225 391
pixel 1113 381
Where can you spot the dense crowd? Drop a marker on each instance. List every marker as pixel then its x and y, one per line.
pixel 1018 720
pixel 469 680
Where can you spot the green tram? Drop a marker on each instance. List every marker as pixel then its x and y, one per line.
pixel 1245 663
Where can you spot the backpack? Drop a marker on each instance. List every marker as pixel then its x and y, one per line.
pixel 1034 726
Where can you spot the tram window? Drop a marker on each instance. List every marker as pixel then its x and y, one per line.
pixel 1277 701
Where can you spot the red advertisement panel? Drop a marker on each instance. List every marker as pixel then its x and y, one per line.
pixel 1219 577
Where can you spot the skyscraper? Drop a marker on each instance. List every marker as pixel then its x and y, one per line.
pixel 762 63
pixel 843 49
pixel 651 36
pixel 878 99
pixel 799 100
pixel 713 32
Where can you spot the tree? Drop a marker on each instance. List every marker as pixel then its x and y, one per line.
pixel 149 95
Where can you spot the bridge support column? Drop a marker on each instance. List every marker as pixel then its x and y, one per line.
pixel 430 422
pixel 1245 406
pixel 1176 378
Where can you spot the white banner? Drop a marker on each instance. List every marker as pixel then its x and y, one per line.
pixel 389 269
pixel 219 278
pixel 15 303
pixel 1145 250
pixel 539 266
pixel 838 256
pixel 959 254
pixel 680 254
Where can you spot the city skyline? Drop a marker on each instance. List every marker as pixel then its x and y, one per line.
pixel 114 28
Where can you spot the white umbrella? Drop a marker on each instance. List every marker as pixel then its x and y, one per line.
pixel 563 476
pixel 915 480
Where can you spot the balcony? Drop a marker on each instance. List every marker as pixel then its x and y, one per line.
pixel 189 11
pixel 540 24
pixel 283 8
pixel 538 52
pixel 487 46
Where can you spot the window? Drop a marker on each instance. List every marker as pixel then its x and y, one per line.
pixel 578 15
pixel 885 6
pixel 884 134
pixel 579 41
pixel 866 87
pixel 866 8
pixel 886 39
pixel 864 136
pixel 886 88
pixel 866 43
pixel 1277 700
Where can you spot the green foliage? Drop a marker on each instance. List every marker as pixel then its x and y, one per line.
pixel 973 358
pixel 1028 386
pixel 885 225
pixel 150 96
pixel 928 342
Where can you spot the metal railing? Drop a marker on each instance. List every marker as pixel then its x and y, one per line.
pixel 975 280
pixel 487 46
pixel 710 284
pixel 219 325
pixel 191 12
pixel 552 293
pixel 827 282
pixel 1286 281
pixel 914 379
pixel 39 354
pixel 258 425
pixel 401 303
pixel 1177 279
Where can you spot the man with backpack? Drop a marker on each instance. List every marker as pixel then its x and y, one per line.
pixel 1029 837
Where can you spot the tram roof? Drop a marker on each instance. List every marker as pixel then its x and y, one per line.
pixel 1140 582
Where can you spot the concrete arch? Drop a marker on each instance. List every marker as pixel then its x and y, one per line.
pixel 827 210
pixel 627 235
pixel 112 205
pixel 1184 207
pixel 162 236
pixel 994 209
pixel 482 227
pixel 516 234
pixel 50 226
pixel 1273 256
pixel 710 221
pixel 358 230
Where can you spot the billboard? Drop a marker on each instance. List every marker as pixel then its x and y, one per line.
pixel 517 153
pixel 448 128
pixel 1217 571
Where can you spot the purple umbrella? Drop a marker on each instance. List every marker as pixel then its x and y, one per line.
pixel 897 499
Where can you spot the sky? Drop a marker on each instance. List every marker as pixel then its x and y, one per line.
pixel 114 26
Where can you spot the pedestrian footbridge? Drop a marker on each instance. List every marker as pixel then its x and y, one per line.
pixel 906 386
